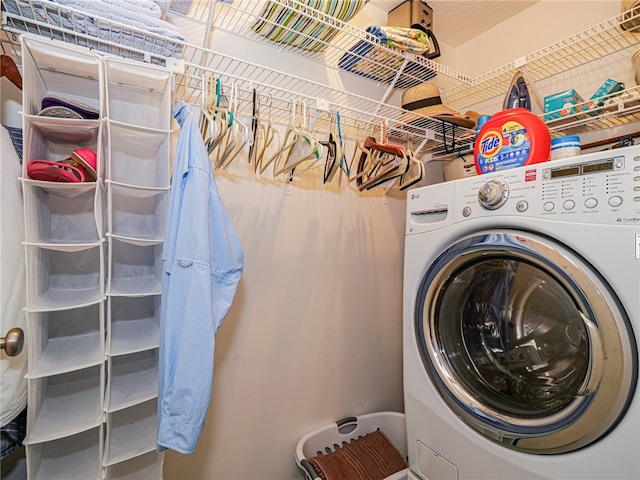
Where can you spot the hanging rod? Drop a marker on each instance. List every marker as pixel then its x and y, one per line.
pixel 271 82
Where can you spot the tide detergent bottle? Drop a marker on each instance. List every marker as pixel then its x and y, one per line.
pixel 511 138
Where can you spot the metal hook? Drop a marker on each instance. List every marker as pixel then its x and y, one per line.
pixel 453 137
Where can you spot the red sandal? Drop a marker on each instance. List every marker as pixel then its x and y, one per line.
pixel 54 171
pixel 79 167
pixel 86 159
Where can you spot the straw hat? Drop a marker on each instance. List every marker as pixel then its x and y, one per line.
pixel 424 99
pixel 635 60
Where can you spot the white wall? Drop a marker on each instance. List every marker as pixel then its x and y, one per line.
pixel 10 104
pixel 540 25
pixel 314 334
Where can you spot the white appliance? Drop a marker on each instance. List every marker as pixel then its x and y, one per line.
pixel 521 298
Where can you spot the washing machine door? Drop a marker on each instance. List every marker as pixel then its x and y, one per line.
pixel 525 342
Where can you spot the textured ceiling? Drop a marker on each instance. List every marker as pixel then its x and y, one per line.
pixel 458 21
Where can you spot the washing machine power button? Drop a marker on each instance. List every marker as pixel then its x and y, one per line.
pixel 493 194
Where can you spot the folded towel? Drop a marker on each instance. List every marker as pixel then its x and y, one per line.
pixel 163 5
pixel 405 39
pixel 368 59
pixel 166 42
pixel 139 14
pixel 371 457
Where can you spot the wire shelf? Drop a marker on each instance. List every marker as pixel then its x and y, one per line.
pixel 70 25
pixel 361 114
pixel 589 45
pixel 618 109
pixel 402 69
pixel 337 44
pixel 277 91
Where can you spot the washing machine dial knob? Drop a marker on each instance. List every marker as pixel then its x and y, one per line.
pixel 493 194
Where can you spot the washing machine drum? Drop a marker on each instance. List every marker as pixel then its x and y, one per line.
pixel 525 342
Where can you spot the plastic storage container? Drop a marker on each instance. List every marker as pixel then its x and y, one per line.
pixel 328 439
pixel 511 138
pixel 565 147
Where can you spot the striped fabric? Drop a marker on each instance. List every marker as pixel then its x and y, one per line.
pixel 371 457
pixel 16 138
pixel 291 23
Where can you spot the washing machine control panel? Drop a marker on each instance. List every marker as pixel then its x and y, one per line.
pixel 602 187
pixel 595 188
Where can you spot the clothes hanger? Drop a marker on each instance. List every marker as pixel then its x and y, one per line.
pixel 254 128
pixel 311 138
pixel 270 136
pixel 240 132
pixel 341 153
pixel 207 124
pixel 229 144
pixel 262 135
pixel 258 133
pixel 9 69
pixel 300 137
pixel 407 181
pixel 332 163
pixel 378 163
pixel 219 114
pixel 389 167
pixel 287 143
pixel 364 163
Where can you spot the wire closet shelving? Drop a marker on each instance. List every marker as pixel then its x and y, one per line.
pixel 397 69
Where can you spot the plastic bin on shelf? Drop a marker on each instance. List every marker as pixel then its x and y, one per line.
pixel 138 93
pixel 133 379
pixel 147 466
pixel 134 324
pixel 139 156
pixel 74 457
pixel 328 439
pixel 131 432
pixel 65 340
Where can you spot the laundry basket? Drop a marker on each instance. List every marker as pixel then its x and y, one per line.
pixel 328 439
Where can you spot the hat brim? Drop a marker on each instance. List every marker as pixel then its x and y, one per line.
pixel 449 116
pixel 456 119
pixel 59 112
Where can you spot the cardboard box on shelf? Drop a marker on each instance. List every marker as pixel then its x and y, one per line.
pixel 562 104
pixel 609 87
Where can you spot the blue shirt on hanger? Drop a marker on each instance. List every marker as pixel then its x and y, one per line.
pixel 203 262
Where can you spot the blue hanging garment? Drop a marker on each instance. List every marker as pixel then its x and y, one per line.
pixel 203 262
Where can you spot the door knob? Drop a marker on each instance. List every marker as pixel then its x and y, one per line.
pixel 14 341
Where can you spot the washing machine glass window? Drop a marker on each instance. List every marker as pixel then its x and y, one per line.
pixel 525 342
pixel 523 335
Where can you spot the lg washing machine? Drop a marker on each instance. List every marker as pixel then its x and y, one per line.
pixel 521 311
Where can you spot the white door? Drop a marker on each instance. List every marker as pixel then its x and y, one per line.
pixel 13 388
